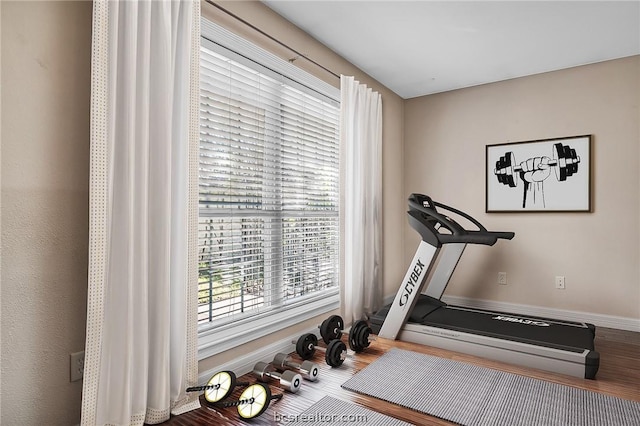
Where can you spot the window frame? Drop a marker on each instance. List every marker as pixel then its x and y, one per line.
pixel 215 338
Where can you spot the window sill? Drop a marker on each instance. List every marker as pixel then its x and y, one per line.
pixel 213 339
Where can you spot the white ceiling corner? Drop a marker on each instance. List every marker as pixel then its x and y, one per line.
pixel 417 48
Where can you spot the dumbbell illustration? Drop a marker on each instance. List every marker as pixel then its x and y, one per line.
pixel 289 380
pixel 307 369
pixel 253 401
pixel 334 354
pixel 564 162
pixel 219 386
pixel 359 334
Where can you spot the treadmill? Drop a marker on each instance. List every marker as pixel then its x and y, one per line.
pixel 418 315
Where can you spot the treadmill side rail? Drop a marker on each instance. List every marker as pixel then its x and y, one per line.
pixel 410 288
pixel 582 364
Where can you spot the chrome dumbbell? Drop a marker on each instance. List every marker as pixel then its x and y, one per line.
pixel 308 370
pixel 289 380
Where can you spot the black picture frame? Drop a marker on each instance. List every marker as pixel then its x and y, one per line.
pixel 544 175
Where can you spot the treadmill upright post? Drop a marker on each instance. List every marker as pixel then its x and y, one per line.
pixel 449 258
pixel 411 286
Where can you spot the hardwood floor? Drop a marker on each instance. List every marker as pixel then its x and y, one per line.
pixel 619 375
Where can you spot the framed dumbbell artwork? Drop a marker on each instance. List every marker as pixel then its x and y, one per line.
pixel 547 175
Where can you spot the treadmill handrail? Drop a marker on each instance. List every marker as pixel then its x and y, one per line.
pixel 471 237
pixel 448 223
pixel 458 233
pixel 418 203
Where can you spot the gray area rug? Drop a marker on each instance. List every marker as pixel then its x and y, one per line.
pixel 332 411
pixel 477 396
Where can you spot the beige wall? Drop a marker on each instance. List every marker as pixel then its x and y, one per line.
pixel 46 49
pixel 268 21
pixel 599 252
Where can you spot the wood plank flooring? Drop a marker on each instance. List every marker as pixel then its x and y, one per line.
pixel 619 375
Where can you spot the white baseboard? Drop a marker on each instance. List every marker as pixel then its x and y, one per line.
pixel 244 364
pixel 599 320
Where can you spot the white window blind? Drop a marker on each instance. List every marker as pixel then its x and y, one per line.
pixel 269 190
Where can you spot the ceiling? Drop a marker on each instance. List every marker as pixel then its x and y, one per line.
pixel 418 48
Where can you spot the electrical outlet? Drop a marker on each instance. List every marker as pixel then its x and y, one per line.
pixel 76 363
pixel 502 278
pixel 560 282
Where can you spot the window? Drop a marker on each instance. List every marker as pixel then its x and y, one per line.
pixel 269 190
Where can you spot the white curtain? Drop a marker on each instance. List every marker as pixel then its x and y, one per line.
pixel 361 142
pixel 141 345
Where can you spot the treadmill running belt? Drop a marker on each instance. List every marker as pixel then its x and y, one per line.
pixel 538 331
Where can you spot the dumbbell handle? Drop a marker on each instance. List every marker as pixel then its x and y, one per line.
pixel 337 331
pixel 343 332
pixel 320 348
pixel 273 374
pixel 293 365
pixel 552 162
pixel 296 366
pixel 317 347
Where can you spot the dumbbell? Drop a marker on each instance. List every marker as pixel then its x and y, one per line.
pixel 219 386
pixel 308 370
pixel 564 162
pixel 334 354
pixel 253 401
pixel 289 380
pixel 359 335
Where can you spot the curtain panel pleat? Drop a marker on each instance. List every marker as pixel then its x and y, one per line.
pixel 361 141
pixel 141 345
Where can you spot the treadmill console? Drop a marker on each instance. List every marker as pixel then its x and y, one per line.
pixel 437 228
